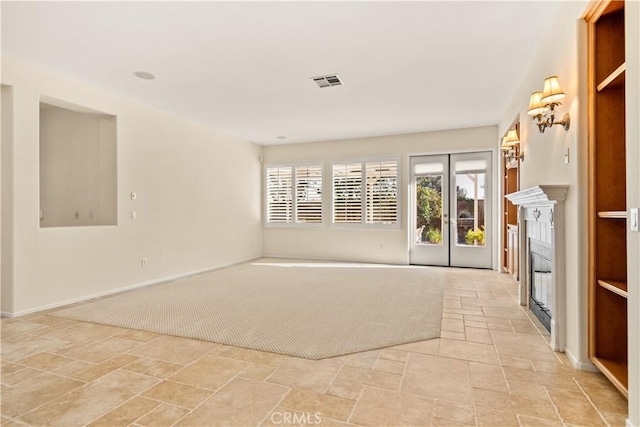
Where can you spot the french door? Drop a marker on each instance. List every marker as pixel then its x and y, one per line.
pixel 451 210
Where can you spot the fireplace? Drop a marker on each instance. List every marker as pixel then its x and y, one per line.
pixel 541 281
pixel 542 278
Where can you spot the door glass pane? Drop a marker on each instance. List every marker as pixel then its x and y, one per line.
pixel 429 210
pixel 470 218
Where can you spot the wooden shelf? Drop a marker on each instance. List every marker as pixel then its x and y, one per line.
pixel 615 286
pixel 614 80
pixel 613 214
pixel 608 257
pixel 617 372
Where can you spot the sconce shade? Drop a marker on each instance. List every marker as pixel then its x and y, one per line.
pixel 552 91
pixel 542 106
pixel 535 104
pixel 510 139
pixel 509 147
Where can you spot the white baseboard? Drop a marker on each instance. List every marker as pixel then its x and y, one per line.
pixel 333 259
pixel 583 366
pixel 123 289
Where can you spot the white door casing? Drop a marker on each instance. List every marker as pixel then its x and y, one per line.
pixel 461 236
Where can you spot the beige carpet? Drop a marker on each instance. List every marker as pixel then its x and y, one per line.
pixel 305 309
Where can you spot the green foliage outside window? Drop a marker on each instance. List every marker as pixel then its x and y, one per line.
pixel 429 215
pixel 475 237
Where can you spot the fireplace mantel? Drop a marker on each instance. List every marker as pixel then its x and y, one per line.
pixel 540 195
pixel 537 206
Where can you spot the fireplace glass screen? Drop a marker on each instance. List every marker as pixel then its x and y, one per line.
pixel 541 282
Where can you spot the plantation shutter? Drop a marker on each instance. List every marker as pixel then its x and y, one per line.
pixel 382 192
pixel 279 195
pixel 347 193
pixel 309 194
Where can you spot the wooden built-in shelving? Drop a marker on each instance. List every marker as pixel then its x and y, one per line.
pixel 608 339
pixel 617 372
pixel 613 214
pixel 614 80
pixel 614 286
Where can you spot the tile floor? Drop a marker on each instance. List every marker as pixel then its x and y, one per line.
pixel 491 366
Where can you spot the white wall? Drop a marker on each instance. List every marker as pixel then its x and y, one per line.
pixel 77 168
pixel 198 199
pixel 366 245
pixel 6 225
pixel 564 53
pixel 544 157
pixel 632 46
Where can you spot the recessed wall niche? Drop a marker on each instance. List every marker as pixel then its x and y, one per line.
pixel 78 164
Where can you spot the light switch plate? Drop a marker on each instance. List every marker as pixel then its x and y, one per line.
pixel 134 195
pixel 566 156
pixel 633 219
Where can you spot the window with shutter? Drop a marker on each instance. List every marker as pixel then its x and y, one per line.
pixel 366 192
pixel 347 193
pixel 279 197
pixel 309 194
pixel 293 194
pixel 382 192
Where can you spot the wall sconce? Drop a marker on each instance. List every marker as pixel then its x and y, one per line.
pixel 542 105
pixel 510 145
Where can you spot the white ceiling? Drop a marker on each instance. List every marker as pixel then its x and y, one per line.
pixel 244 67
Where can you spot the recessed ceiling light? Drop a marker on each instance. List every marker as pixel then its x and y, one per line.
pixel 281 137
pixel 144 75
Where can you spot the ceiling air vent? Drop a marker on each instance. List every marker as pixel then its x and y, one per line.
pixel 327 81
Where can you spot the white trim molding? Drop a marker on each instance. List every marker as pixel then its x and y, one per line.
pixel 540 195
pixel 583 366
pixel 545 204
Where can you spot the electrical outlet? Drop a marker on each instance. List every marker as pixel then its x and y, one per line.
pixel 134 215
pixel 633 219
pixel 143 262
